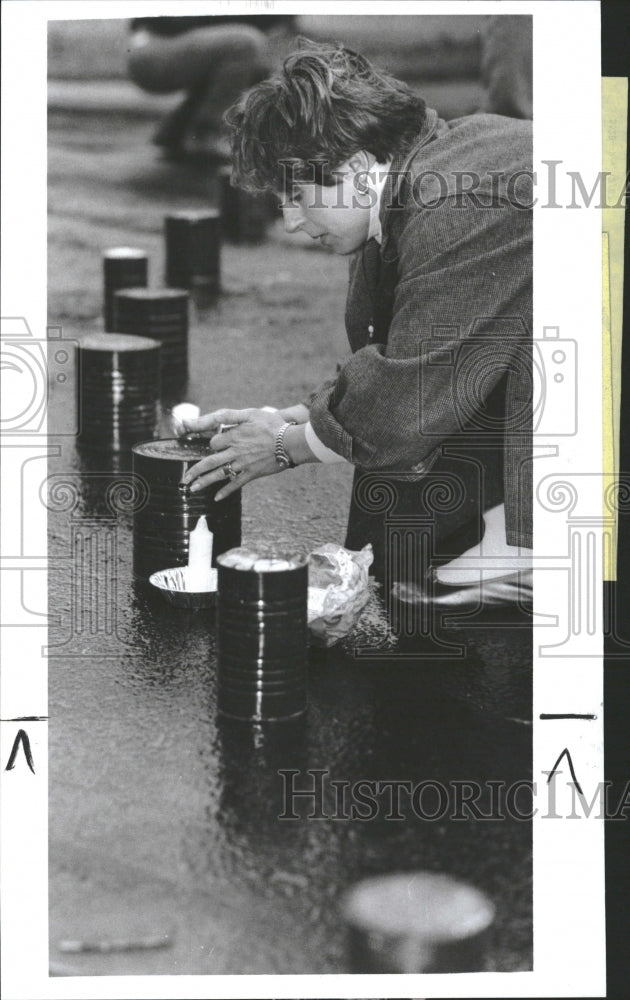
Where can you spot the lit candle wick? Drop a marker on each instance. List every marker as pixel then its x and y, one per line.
pixel 180 413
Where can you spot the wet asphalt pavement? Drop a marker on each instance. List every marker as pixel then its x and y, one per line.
pixel 164 819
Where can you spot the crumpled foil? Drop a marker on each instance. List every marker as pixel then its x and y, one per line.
pixel 338 590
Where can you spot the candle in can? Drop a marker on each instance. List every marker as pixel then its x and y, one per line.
pixel 123 267
pixel 161 313
pixel 243 215
pixel 117 390
pixel 193 250
pixel 161 529
pixel 262 636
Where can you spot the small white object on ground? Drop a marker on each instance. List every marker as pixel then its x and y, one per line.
pixel 338 590
pixel 246 559
pixel 271 565
pixel 240 558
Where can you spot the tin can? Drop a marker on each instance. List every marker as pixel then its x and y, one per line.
pixel 412 922
pixel 244 215
pixel 162 527
pixel 262 636
pixel 193 250
pixel 123 267
pixel 117 390
pixel 161 313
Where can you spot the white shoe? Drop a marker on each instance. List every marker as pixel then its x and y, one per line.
pixel 491 559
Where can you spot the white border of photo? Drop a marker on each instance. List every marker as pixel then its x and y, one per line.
pixel 569 942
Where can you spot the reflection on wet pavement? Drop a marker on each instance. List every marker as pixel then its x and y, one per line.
pixel 165 817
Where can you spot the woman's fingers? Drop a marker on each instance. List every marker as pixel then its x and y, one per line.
pixel 214 468
pixel 222 441
pixel 215 476
pixel 208 464
pixel 212 421
pixel 254 471
pixel 246 469
pixel 236 484
pixel 246 449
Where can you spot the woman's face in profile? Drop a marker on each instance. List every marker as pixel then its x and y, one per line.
pixel 337 215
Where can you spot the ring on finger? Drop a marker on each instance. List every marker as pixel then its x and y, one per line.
pixel 229 472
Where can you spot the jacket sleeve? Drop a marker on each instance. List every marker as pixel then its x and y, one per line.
pixel 322 388
pixel 461 319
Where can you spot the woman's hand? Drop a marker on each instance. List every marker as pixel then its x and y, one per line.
pixel 246 451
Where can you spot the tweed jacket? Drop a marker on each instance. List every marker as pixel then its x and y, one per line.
pixel 445 328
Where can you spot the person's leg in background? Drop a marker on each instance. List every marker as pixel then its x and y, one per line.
pixel 214 64
pixel 506 65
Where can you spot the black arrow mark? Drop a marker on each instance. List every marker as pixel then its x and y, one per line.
pixel 565 715
pixel 565 753
pixel 27 718
pixel 22 737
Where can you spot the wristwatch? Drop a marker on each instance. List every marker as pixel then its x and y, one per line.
pixel 282 456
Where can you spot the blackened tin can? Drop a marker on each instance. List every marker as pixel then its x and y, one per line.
pixel 244 215
pixel 162 527
pixel 161 313
pixel 123 267
pixel 262 636
pixel 193 250
pixel 117 390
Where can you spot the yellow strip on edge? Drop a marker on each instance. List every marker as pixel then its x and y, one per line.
pixel 614 142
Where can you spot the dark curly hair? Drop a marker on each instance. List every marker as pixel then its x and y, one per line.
pixel 326 103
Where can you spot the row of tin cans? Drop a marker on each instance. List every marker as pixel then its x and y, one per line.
pixel 118 388
pixel 117 396
pixel 122 375
pixel 193 242
pixel 163 315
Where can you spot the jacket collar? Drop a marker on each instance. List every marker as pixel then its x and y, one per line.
pixel 392 199
pixel 381 173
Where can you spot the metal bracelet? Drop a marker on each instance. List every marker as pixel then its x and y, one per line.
pixel 283 458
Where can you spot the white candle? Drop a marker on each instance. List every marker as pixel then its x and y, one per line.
pixel 199 572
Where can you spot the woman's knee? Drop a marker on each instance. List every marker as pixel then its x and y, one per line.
pixel 149 65
pixel 239 42
pixel 161 65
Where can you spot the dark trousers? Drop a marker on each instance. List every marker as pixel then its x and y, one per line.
pixel 414 523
